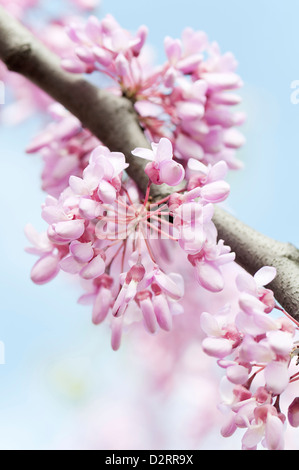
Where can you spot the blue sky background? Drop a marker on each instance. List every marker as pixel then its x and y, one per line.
pixel 57 363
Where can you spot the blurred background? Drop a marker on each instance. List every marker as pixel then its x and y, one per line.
pixel 61 386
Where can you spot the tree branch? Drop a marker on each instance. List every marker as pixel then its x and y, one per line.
pixel 254 250
pixel 113 120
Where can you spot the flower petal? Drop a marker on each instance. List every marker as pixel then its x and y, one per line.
pixel 147 154
pixel 94 268
pixel 164 150
pixel 162 312
pixel 45 269
pixel 82 252
pixel 101 306
pixel 215 192
pixel 170 287
pixel 107 192
pixel 237 374
pixel 209 324
pixel 171 173
pixel 277 377
pixel 209 276
pixel 70 265
pixel 265 275
pixel 149 316
pixel 217 347
pixel 274 431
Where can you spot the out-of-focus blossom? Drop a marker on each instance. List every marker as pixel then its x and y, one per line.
pixel 65 148
pixel 18 7
pixel 253 348
pixel 188 99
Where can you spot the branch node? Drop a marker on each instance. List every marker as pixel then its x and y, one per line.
pixel 16 57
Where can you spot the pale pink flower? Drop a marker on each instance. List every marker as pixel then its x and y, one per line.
pixel 253 349
pixel 183 55
pixel 266 423
pixel 208 264
pixel 106 47
pixel 195 114
pixel 293 413
pixel 163 168
pixel 87 4
pixel 65 148
pixel 18 7
pixel 47 267
pixel 222 334
pixel 103 173
pixel 255 285
pixel 211 180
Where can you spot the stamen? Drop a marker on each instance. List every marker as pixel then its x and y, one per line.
pixel 287 315
pixel 161 232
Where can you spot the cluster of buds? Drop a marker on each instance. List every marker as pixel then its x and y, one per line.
pixel 65 148
pixel 256 351
pixel 187 99
pixel 101 230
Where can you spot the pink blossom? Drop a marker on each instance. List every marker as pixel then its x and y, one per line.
pixel 223 336
pixel 105 46
pixel 45 269
pixel 208 264
pixel 84 225
pixel 103 173
pixel 87 4
pixel 47 266
pixel 293 413
pixel 210 178
pixel 253 348
pixel 162 169
pixel 99 227
pixel 186 54
pixel 256 285
pixel 18 7
pixel 277 377
pixel 103 300
pixel 266 423
pixel 65 148
pixel 198 111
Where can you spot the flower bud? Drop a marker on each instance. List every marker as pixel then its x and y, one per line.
pixel 293 413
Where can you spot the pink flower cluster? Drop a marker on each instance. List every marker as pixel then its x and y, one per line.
pixel 65 148
pixel 104 46
pixel 27 97
pixel 188 99
pixel 118 243
pixel 18 7
pixel 100 230
pixel 256 352
pixel 162 169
